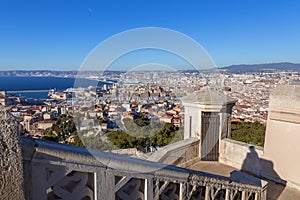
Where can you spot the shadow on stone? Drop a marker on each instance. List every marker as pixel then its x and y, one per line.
pixel 262 168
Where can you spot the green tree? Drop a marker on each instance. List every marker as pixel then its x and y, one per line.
pixel 52 138
pixel 62 130
pixel 77 141
pixel 142 121
pixel 252 133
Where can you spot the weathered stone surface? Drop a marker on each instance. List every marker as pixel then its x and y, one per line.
pixel 285 104
pixel 11 170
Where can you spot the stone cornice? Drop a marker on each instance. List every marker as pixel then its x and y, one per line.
pixel 284 114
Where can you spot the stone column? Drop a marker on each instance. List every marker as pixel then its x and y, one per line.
pixel 282 149
pixel 11 168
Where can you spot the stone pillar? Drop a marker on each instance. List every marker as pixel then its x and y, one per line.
pixel 11 167
pixel 282 149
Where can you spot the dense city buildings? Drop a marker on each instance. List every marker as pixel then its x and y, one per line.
pixel 133 95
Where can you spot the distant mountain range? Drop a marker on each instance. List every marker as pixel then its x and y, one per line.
pixel 267 67
pixel 241 68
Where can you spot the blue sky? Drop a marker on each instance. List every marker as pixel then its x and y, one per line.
pixel 59 34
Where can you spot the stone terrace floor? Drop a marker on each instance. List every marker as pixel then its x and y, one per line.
pixel 275 191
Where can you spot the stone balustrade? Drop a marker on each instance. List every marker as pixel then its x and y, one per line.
pixel 182 153
pixel 59 171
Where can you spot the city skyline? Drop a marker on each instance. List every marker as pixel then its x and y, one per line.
pixel 59 35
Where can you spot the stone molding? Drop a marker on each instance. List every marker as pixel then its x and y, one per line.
pixel 285 104
pixel 285 115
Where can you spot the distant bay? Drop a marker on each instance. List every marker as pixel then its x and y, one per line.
pixel 37 87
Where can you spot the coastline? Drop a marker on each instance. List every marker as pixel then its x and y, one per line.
pixel 38 86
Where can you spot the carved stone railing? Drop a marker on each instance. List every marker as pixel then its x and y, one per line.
pixel 182 153
pixel 58 171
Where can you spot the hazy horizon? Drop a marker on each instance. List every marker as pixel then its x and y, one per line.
pixel 146 70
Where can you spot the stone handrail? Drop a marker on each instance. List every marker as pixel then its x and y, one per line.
pixel 180 153
pixel 59 171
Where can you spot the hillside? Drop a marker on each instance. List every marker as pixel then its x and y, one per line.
pixel 267 67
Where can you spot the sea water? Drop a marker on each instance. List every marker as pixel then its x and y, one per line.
pixel 38 87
